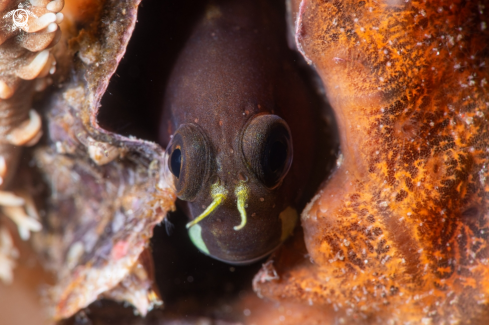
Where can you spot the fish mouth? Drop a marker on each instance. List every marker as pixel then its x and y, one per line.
pixel 247 262
pixel 196 238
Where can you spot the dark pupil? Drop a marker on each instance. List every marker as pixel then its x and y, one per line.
pixel 176 162
pixel 277 156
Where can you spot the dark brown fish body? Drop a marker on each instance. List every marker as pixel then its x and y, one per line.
pixel 234 85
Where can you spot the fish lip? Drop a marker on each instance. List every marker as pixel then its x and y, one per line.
pixel 246 262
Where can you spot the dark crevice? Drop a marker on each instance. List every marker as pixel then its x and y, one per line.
pixel 190 283
pixel 132 103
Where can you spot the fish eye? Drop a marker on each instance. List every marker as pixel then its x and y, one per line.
pixel 188 160
pixel 267 148
pixel 176 162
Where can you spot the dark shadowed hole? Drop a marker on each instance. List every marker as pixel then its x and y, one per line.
pixel 190 283
pixel 132 103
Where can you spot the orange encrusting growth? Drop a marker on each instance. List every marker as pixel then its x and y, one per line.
pixel 400 232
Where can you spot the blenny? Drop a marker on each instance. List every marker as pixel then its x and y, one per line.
pixel 239 128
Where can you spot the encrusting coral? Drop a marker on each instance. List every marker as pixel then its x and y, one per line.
pixel 400 232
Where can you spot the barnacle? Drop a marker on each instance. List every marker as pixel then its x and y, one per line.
pixel 28 31
pixel 397 234
pixel 8 254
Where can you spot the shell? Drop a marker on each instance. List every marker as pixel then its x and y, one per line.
pixel 101 210
pixel 107 194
